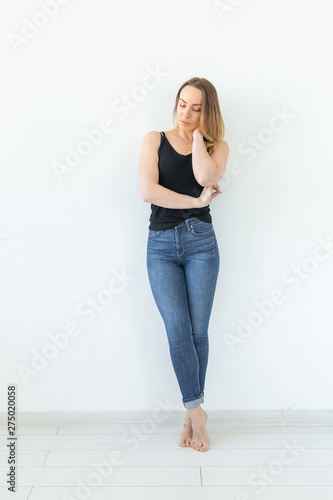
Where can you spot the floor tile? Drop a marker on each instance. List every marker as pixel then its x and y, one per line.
pixel 185 493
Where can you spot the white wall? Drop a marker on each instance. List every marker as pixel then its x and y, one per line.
pixel 64 236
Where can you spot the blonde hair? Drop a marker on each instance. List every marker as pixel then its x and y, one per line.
pixel 211 121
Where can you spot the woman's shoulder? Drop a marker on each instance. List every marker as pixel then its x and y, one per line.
pixel 152 140
pixel 153 137
pixel 153 134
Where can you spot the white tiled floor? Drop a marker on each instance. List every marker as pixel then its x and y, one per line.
pixel 130 461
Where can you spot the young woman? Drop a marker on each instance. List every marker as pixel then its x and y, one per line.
pixel 179 171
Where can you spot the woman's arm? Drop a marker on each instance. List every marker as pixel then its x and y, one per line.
pixel 150 190
pixel 208 169
pixel 164 197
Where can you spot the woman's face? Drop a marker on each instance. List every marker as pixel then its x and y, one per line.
pixel 189 108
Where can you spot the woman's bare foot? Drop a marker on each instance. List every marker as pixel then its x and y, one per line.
pixel 200 439
pixel 186 433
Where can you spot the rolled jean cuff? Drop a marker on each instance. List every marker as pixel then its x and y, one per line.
pixel 194 403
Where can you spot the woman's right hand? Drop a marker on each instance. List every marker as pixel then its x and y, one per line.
pixel 207 195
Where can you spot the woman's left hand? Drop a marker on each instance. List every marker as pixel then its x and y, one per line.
pixel 197 131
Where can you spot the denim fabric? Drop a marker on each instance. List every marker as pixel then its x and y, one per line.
pixel 183 265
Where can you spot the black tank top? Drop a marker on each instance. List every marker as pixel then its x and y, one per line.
pixel 176 173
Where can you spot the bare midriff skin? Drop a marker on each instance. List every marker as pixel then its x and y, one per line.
pixel 194 433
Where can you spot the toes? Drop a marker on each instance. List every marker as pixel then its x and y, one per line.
pixel 196 445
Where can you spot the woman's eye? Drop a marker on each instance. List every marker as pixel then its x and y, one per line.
pixel 182 106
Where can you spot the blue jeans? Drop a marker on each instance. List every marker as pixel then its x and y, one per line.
pixel 183 264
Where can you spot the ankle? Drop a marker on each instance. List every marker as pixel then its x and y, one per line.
pixel 195 412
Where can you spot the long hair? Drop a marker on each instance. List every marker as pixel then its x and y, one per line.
pixel 211 121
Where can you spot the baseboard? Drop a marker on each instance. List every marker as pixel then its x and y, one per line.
pixel 224 417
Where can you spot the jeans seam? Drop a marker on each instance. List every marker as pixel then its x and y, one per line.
pixel 188 309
